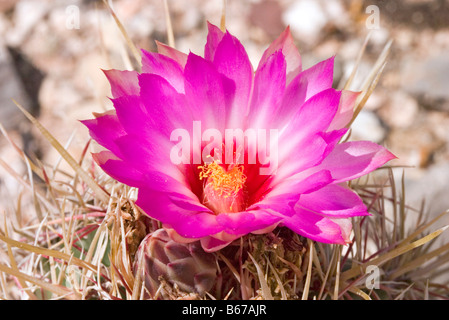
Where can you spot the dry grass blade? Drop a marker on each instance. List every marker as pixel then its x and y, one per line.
pixel 371 81
pixel 266 292
pixel 305 293
pixel 128 40
pixel 366 95
pixel 170 34
pixel 48 252
pixel 13 263
pixel 337 277
pixel 57 289
pixel 422 228
pixel 100 193
pixel 33 166
pixel 402 294
pixel 357 63
pixel 24 183
pixel 295 269
pixel 378 66
pixel 138 280
pixel 331 268
pixel 278 280
pixel 355 271
pixel 360 293
pixel 223 17
pixel 416 263
pixel 229 265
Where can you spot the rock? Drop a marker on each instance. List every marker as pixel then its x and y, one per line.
pixel 9 185
pixel 367 126
pixel 439 122
pixel 430 185
pixel 27 14
pixel 89 78
pixel 363 70
pixel 428 80
pixel 6 5
pixel 11 87
pixel 377 100
pixel 307 18
pixel 190 18
pixel 59 97
pixel 400 111
pixel 415 145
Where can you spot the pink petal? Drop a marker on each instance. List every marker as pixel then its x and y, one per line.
pixel 149 123
pixel 209 93
pixel 282 197
pixel 168 109
pixel 119 170
pixel 132 114
pixel 247 221
pixel 149 156
pixel 310 152
pixel 178 56
pixel 294 97
pixel 302 143
pixel 213 39
pixel 169 69
pixel 163 182
pixel 354 159
pixel 332 138
pixel 316 227
pixel 334 201
pixel 345 110
pixel 106 129
pixel 232 61
pixel 211 244
pixel 180 212
pixel 176 236
pixel 346 228
pixel 269 87
pixel 286 45
pixel 314 116
pixel 319 77
pixel 122 82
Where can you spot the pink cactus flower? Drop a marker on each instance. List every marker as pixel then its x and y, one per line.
pixel 218 150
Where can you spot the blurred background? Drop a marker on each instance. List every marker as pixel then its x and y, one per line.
pixel 52 53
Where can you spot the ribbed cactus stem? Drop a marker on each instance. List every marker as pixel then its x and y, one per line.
pixel 186 265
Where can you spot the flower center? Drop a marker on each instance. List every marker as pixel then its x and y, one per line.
pixel 224 188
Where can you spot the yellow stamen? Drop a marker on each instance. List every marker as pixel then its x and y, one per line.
pixel 223 187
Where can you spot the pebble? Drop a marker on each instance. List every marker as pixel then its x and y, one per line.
pixel 306 19
pixel 367 126
pixel 400 111
pixel 27 13
pixel 11 88
pixel 431 185
pixel 428 81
